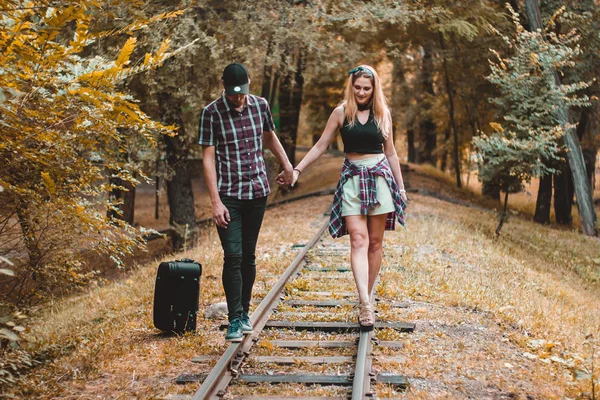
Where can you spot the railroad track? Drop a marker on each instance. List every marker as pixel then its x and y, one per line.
pixel 306 311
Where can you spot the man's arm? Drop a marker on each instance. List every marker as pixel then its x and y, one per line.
pixel 220 212
pixel 271 142
pixel 207 139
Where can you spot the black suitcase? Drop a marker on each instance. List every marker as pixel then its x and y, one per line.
pixel 176 295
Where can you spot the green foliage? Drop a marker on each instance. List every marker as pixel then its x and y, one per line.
pixel 509 161
pixel 529 137
pixel 64 123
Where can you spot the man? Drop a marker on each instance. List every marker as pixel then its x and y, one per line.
pixel 232 131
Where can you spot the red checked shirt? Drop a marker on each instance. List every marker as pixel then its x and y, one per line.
pixel 238 140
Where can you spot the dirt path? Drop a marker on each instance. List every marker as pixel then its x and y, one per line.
pixel 497 318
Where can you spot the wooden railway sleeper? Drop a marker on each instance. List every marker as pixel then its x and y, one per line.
pixel 236 363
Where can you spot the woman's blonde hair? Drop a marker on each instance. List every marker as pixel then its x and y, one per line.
pixel 381 112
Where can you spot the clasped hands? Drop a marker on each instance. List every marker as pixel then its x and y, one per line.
pixel 288 176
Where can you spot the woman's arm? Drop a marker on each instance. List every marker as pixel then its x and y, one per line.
pixel 390 153
pixel 333 124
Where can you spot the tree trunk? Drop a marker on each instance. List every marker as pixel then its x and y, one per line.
pixel 563 195
pixel 410 138
pixel 290 100
pixel 584 120
pixel 589 156
pixel 455 152
pixel 397 93
pixel 583 192
pixel 427 128
pixel 589 148
pixel 127 196
pixel 156 196
pixel 180 196
pixel 270 80
pixel 444 163
pixel 128 206
pixel 544 199
pixel 35 269
pixel 504 215
pixel 182 216
pixel 399 97
pixel 31 241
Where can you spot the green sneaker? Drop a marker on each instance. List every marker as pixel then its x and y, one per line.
pixel 246 324
pixel 234 330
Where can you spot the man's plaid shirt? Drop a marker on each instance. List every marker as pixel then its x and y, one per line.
pixel 368 195
pixel 238 140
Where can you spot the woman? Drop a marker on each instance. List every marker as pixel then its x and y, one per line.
pixel 370 195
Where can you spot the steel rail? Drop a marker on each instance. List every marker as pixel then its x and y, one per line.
pixel 361 384
pixel 226 368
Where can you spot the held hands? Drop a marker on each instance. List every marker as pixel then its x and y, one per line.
pixel 221 215
pixel 287 177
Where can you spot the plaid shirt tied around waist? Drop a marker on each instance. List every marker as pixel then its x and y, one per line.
pixel 238 140
pixel 368 195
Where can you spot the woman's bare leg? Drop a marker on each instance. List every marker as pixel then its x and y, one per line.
pixel 359 254
pixel 376 228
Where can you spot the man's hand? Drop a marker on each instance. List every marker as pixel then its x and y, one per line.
pixel 221 215
pixel 286 177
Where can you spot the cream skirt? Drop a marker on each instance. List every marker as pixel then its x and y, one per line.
pixel 351 192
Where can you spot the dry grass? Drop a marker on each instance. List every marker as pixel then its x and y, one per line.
pixel 103 343
pixel 496 318
pixel 524 303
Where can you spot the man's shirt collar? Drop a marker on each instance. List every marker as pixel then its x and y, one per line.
pixel 228 107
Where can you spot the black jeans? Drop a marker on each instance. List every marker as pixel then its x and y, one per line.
pixel 239 245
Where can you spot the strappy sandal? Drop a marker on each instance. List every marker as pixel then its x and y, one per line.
pixel 366 316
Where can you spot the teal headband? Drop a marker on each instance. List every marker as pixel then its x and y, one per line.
pixel 361 69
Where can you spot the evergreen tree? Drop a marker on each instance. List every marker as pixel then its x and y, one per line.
pixel 529 137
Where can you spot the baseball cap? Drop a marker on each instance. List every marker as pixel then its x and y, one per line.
pixel 235 78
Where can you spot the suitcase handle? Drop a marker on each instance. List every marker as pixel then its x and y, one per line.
pixel 190 261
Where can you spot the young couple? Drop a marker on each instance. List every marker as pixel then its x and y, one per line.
pixel 369 198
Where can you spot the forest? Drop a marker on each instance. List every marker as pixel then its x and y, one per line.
pixel 100 98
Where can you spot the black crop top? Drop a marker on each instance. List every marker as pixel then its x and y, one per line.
pixel 364 139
